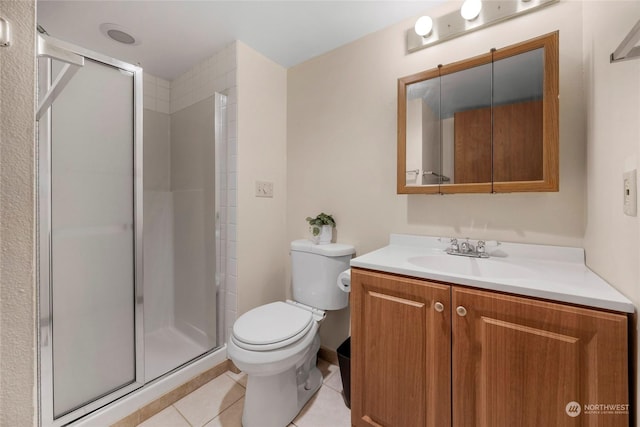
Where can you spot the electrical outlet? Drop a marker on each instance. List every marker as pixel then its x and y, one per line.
pixel 264 189
pixel 630 204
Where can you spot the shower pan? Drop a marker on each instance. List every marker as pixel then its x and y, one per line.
pixel 114 325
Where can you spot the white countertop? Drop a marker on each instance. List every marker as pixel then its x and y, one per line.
pixel 549 272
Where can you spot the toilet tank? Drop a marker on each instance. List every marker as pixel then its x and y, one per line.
pixel 315 270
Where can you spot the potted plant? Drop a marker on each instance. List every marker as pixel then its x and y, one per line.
pixel 321 228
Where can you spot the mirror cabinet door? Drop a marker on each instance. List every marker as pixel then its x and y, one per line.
pixel 423 133
pixel 419 154
pixel 486 124
pixel 525 116
pixel 466 126
pixel 517 117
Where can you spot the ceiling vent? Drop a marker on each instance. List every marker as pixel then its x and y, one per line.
pixel 119 34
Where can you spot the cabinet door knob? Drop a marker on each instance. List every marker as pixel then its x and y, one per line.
pixel 461 311
pixel 439 307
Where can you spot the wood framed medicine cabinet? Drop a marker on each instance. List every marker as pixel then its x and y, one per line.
pixel 482 125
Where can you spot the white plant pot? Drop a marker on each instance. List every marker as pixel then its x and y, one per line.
pixel 323 235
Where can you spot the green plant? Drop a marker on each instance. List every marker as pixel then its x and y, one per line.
pixel 320 220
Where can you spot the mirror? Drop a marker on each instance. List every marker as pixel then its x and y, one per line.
pixel 486 124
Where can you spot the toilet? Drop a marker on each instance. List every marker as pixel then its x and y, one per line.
pixel 276 344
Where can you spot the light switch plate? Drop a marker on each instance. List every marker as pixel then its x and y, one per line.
pixel 264 189
pixel 630 203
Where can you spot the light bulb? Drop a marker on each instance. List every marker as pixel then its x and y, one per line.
pixel 471 9
pixel 423 26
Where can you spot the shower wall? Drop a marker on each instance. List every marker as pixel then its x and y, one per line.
pixel 217 73
pixel 158 221
pixel 179 198
pixel 194 216
pixel 188 192
pixel 180 235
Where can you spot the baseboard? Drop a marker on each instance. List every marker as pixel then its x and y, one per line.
pixel 329 355
pixel 173 396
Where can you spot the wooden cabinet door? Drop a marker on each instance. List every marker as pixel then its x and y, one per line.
pixel 472 146
pixel 518 142
pixel 521 362
pixel 400 351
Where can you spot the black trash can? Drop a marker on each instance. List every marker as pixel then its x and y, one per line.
pixel 344 360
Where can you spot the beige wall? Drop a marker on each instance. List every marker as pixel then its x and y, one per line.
pixel 17 219
pixel 262 156
pixel 342 144
pixel 613 143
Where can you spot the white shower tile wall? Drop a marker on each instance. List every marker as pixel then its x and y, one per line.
pixel 214 74
pixel 157 93
pixel 218 74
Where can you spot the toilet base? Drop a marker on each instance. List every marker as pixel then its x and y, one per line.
pixel 279 407
pixel 275 400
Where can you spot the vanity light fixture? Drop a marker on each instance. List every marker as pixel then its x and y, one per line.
pixel 424 26
pixel 471 9
pixel 473 15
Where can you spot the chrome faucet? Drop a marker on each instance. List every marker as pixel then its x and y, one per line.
pixel 467 249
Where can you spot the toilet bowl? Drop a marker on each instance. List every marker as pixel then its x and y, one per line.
pixel 281 371
pixel 276 344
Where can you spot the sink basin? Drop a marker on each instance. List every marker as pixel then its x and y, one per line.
pixel 476 267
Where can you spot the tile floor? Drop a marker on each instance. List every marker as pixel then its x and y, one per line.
pixel 219 404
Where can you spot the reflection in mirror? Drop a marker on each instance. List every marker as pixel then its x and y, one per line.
pixel 466 125
pixel 517 117
pixel 423 133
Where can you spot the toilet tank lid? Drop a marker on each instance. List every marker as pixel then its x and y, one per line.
pixel 330 249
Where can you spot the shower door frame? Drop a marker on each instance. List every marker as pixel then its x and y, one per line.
pixel 55 49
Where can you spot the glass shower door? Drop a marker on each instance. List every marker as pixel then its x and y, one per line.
pixel 90 228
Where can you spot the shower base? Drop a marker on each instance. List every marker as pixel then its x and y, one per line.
pixel 166 349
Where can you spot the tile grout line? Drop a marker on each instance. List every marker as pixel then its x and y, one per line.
pixel 236 381
pixel 223 411
pixel 331 388
pixel 182 415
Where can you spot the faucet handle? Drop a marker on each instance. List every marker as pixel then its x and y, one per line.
pixel 454 244
pixel 480 247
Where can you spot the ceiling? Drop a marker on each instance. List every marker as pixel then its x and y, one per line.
pixel 175 35
pixel 517 78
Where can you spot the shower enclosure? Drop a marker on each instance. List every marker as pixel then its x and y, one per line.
pixel 181 221
pixel 112 320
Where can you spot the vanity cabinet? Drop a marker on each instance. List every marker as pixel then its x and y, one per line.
pixel 400 351
pixel 486 359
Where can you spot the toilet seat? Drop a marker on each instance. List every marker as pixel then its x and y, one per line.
pixel 271 326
